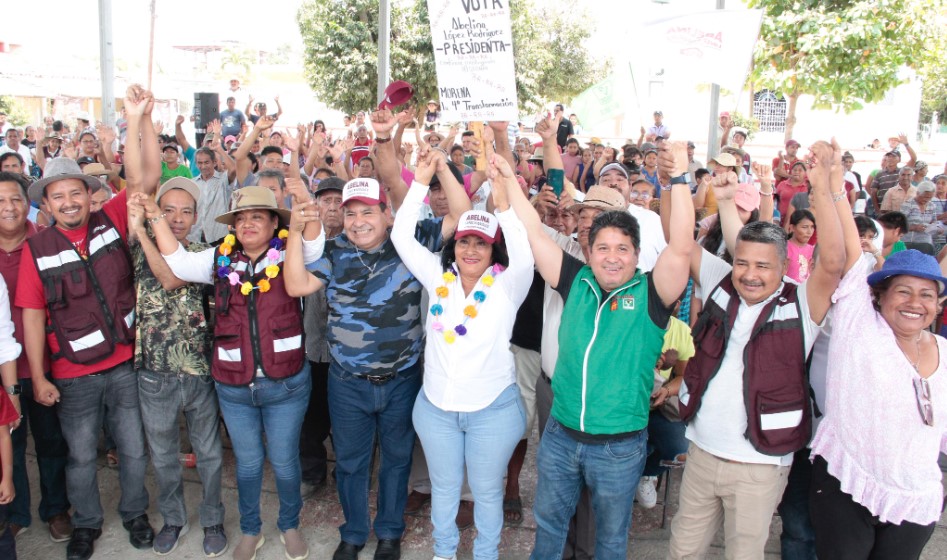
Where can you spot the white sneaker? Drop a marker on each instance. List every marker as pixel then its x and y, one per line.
pixel 442 558
pixel 646 495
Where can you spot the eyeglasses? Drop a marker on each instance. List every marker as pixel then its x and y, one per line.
pixel 922 391
pixel 641 195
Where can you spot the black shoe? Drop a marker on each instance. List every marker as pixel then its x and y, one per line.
pixel 347 551
pixel 82 544
pixel 388 549
pixel 140 533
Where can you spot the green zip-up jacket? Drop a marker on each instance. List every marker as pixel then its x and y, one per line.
pixel 608 347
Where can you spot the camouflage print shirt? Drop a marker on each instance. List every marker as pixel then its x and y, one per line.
pixel 172 335
pixel 374 319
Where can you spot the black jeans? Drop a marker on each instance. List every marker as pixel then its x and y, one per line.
pixel 316 426
pixel 846 530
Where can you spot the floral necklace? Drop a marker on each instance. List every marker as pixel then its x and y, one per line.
pixel 470 312
pixel 271 271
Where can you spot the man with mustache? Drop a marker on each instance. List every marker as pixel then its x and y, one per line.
pixel 76 289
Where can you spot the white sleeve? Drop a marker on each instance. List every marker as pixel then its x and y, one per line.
pixel 192 267
pixel 312 249
pixel 713 269
pixel 521 256
pixel 9 347
pixel 423 264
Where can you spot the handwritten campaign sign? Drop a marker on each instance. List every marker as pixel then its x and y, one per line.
pixel 473 53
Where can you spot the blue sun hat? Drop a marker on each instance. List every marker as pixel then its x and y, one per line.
pixel 911 263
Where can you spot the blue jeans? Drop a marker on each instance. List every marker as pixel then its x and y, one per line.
pixel 797 540
pixel 360 411
pixel 85 403
pixel 163 396
pixel 274 408
pixel 483 441
pixel 665 442
pixel 610 470
pixel 51 456
pixel 7 543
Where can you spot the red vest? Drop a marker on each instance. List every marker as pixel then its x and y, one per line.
pixel 260 331
pixel 775 385
pixel 91 301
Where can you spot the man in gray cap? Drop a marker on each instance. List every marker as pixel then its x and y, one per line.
pixel 76 290
pixel 172 356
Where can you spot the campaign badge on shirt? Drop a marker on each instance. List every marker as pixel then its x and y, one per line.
pixel 628 303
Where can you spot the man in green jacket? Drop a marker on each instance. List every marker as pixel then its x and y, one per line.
pixel 612 332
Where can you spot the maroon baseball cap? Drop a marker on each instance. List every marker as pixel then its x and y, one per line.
pixel 397 93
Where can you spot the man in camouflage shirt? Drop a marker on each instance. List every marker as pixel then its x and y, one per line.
pixel 172 355
pixel 375 339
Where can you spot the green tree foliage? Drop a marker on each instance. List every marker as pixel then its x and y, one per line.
pixel 17 115
pixel 842 52
pixel 341 51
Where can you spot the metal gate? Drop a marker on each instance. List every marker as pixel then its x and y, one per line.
pixel 770 110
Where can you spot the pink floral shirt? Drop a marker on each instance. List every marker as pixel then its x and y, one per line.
pixel 872 436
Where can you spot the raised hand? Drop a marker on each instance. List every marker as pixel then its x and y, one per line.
pixel 404 118
pixel 725 186
pixel 297 189
pixel 383 121
pixel 105 133
pixel 135 101
pixel 547 128
pixel 179 121
pixel 427 165
pixel 302 214
pixel 265 123
pixel 291 143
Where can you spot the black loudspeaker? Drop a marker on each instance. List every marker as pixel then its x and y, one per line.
pixel 206 109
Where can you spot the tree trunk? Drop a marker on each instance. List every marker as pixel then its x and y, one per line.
pixel 791 116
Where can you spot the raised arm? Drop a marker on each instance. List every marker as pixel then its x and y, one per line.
pixel 828 203
pixel 725 190
pixel 903 138
pixel 240 156
pixel 670 271
pixel 150 152
pixel 389 167
pixel 457 200
pixel 420 261
pixel 292 144
pixel 299 282
pixel 546 129
pixel 279 108
pixel 179 133
pixel 136 226
pixel 134 111
pixel 546 253
pixel 767 203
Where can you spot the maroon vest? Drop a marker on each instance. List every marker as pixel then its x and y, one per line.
pixel 257 332
pixel 775 385
pixel 91 301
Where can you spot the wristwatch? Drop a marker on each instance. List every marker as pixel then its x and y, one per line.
pixel 14 389
pixel 681 179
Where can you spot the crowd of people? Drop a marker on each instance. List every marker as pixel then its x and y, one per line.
pixel 772 328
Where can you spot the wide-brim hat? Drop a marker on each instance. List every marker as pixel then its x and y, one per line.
pixel 602 198
pixel 725 159
pixel 180 183
pixel 58 169
pixel 397 93
pixel 910 263
pixel 252 198
pixel 537 155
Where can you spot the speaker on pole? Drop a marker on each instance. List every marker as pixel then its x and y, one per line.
pixel 206 109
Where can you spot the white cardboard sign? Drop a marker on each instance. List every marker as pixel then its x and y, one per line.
pixel 473 54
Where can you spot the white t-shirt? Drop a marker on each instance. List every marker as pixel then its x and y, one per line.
pixel 652 236
pixel 24 153
pixel 720 423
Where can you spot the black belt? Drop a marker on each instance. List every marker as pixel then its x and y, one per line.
pixel 107 371
pixel 376 379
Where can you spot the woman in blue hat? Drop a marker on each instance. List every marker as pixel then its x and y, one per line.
pixel 876 487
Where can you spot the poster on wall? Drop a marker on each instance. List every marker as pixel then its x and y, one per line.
pixel 473 55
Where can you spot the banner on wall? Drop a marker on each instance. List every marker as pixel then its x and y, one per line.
pixel 473 55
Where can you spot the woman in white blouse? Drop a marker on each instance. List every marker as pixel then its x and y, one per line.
pixel 469 412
